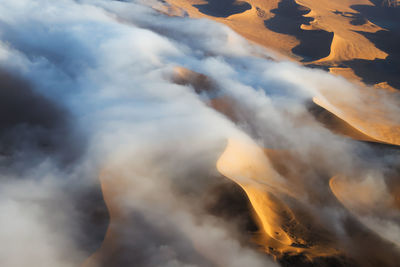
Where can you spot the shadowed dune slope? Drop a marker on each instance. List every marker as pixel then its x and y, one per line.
pixel 288 19
pixel 223 8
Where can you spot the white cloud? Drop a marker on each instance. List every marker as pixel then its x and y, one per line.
pixel 109 64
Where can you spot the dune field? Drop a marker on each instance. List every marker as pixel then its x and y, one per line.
pixel 200 133
pixel 357 39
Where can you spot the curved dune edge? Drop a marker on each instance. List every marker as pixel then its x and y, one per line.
pixel 371 120
pixel 281 233
pixel 338 125
pixel 336 17
pixel 352 46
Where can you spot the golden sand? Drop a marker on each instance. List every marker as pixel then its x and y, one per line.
pixel 330 16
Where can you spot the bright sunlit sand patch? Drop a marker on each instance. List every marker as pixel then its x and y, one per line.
pixel 246 164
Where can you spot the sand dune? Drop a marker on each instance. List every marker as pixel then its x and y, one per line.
pixel 323 33
pixel 249 23
pixel 209 151
pixel 276 181
pixel 348 44
pixel 368 115
pixel 247 165
pixel 287 230
pixel 338 17
pixel 338 125
pixel 360 115
pixel 269 180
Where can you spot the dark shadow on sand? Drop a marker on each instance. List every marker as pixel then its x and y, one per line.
pixel 357 18
pixel 223 8
pixel 388 40
pixel 314 44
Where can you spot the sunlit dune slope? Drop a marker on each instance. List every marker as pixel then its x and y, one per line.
pixel 367 111
pixel 337 125
pixel 282 232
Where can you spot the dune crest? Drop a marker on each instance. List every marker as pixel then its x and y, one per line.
pixel 338 17
pixel 352 46
pixel 282 232
pixel 368 115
